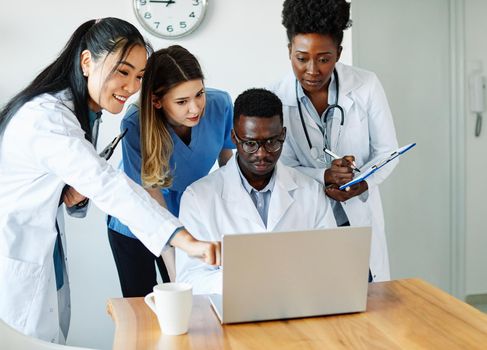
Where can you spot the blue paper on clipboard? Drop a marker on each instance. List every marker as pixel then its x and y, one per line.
pixel 374 168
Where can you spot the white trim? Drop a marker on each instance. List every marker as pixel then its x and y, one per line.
pixel 457 148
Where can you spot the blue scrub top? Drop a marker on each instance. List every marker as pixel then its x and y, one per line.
pixel 188 163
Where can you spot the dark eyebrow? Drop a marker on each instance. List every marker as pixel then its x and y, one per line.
pixel 267 138
pixel 319 53
pixel 129 64
pixel 185 98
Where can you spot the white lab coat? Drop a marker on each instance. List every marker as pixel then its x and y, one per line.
pixel 42 149
pixel 219 204
pixel 368 133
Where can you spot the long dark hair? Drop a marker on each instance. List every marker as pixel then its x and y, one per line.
pixel 101 37
pixel 165 69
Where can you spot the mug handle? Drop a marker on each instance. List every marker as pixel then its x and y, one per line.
pixel 149 300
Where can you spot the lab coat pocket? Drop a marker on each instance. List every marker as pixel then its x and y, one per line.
pixel 19 281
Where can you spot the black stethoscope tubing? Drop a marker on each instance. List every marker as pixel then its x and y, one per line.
pixel 335 105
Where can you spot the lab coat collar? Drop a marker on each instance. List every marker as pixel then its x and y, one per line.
pixel 233 191
pixel 348 80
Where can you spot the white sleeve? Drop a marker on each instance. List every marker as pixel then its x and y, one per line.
pixel 382 133
pixel 59 147
pixel 204 278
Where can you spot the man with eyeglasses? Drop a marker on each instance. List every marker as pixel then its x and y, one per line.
pixel 252 193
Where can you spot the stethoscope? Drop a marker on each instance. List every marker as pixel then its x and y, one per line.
pixel 315 153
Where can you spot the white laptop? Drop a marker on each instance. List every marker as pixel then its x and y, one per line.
pixel 280 275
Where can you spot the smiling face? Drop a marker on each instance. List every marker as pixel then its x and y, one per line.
pixel 109 89
pixel 313 58
pixel 184 104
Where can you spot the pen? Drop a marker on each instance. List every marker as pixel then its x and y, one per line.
pixel 334 156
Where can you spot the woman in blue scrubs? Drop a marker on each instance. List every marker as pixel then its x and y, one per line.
pixel 173 138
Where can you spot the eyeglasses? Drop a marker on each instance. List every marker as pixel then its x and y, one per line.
pixel 271 145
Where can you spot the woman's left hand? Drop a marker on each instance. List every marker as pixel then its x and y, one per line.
pixel 350 192
pixel 71 197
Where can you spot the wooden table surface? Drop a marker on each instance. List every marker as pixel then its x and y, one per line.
pixel 401 314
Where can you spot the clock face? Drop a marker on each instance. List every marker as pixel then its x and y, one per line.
pixel 170 19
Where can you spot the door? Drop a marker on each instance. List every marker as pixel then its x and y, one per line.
pixel 407 44
pixel 476 153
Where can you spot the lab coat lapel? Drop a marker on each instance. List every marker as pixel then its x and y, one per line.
pixel 281 198
pixel 348 82
pixel 239 202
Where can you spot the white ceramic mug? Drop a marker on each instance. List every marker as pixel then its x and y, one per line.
pixel 172 303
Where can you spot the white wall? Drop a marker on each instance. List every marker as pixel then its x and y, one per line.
pixel 241 44
pixel 407 43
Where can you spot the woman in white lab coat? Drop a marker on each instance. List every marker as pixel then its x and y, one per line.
pixel 342 108
pixel 45 134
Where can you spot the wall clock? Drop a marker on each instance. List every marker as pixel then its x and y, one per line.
pixel 170 19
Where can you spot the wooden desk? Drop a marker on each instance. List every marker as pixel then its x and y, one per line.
pixel 402 314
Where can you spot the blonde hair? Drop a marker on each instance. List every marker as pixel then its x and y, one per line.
pixel 165 69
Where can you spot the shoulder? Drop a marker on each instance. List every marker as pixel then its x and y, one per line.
pixel 208 185
pixel 354 71
pixel 131 117
pixel 284 89
pixel 218 109
pixel 212 186
pixel 352 78
pixel 217 97
pixel 51 112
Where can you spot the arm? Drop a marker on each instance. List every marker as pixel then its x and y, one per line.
pixel 205 279
pixel 382 133
pixel 131 147
pixel 155 192
pixel 76 204
pixel 382 142
pixel 207 252
pixel 59 147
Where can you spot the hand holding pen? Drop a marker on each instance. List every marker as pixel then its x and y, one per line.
pixel 339 173
pixel 350 159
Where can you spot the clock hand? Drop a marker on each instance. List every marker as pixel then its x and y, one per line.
pixel 167 2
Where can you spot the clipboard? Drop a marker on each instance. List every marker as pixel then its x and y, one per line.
pixel 377 166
